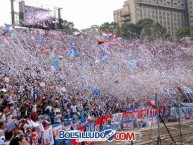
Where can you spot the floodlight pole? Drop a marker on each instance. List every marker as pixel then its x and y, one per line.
pixel 12 13
pixel 158 125
pixel 55 9
pixel 179 118
pixel 59 18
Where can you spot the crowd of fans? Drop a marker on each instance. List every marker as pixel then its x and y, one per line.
pixel 23 103
pixel 24 99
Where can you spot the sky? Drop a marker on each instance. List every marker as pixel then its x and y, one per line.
pixel 83 13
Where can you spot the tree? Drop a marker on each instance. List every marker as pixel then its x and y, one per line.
pixel 183 32
pixel 145 28
pixel 167 36
pixel 128 31
pixel 69 27
pixel 151 30
pixel 145 22
pixel 111 28
pixel 191 31
pixel 65 26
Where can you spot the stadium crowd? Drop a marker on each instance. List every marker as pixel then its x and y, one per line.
pixel 37 91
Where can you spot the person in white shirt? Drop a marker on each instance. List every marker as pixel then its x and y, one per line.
pixel 73 110
pixel 2 128
pixel 2 140
pixel 15 112
pixel 34 109
pixel 10 100
pixel 8 137
pixel 2 117
pixel 73 107
pixel 2 114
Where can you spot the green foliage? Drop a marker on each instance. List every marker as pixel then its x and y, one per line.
pixel 111 28
pixel 129 30
pixel 182 32
pixel 68 27
pixel 145 22
pixel 151 30
pixel 146 28
pixel 191 31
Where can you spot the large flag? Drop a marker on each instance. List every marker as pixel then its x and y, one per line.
pixel 127 116
pixel 90 126
pixel 128 125
pixel 106 34
pixel 105 122
pixel 152 104
pixel 128 121
pixel 102 121
pixel 151 112
pixel 116 118
pixel 98 123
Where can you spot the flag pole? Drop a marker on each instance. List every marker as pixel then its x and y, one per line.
pixel 158 125
pixel 12 13
pixel 179 119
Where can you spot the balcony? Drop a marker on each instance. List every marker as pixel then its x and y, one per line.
pixel 163 5
pixel 126 20
pixel 126 14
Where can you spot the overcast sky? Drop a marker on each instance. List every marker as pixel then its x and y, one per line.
pixel 83 13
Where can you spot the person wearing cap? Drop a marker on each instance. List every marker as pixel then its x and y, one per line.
pixel 45 123
pixel 34 137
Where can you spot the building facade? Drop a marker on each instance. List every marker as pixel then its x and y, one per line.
pixel 122 15
pixel 190 11
pixel 172 14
